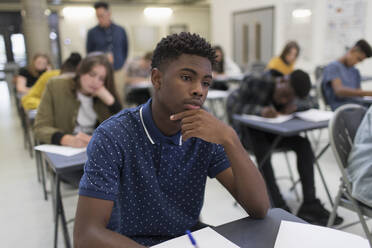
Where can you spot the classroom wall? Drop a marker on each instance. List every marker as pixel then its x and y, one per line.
pixel 74 29
pixel 222 17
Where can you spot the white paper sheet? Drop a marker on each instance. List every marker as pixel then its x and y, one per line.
pixel 294 235
pixel 314 115
pixel 217 94
pixel 279 119
pixel 205 238
pixel 61 150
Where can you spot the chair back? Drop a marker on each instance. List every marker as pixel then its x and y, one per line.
pixel 342 129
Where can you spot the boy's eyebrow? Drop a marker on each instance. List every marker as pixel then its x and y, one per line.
pixel 195 73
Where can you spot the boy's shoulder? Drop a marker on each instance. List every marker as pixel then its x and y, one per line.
pixel 127 120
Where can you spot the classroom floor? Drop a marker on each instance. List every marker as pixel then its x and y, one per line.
pixel 26 218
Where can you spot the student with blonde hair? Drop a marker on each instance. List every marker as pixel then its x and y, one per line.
pixel 27 76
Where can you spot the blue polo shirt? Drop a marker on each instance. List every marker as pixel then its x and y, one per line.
pixel 349 76
pixel 156 182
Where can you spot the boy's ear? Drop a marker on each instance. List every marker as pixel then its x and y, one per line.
pixel 156 77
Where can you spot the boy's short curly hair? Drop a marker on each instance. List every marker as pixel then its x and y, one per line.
pixel 173 46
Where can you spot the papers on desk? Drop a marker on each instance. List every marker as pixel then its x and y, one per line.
pixel 279 119
pixel 294 235
pixel 314 115
pixel 205 238
pixel 218 94
pixel 61 150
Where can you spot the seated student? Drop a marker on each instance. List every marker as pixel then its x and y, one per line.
pixel 32 99
pixel 27 76
pixel 341 80
pixel 145 176
pixel 284 64
pixel 224 66
pixel 359 170
pixel 268 97
pixel 138 70
pixel 72 107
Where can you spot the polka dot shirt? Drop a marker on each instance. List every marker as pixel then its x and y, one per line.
pixel 156 182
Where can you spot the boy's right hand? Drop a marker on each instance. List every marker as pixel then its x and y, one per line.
pixel 79 140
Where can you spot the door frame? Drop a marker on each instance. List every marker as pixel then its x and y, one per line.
pixel 270 7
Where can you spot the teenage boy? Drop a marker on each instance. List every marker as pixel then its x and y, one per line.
pixel 341 80
pixel 145 176
pixel 268 97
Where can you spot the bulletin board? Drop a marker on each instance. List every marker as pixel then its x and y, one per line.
pixel 346 22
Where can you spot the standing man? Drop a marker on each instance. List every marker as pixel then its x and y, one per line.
pixel 112 39
pixel 341 80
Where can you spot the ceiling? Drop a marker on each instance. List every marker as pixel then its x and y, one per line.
pixel 134 2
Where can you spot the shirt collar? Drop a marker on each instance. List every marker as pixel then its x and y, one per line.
pixel 152 131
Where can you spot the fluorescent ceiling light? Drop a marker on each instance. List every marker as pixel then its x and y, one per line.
pixel 158 13
pixel 78 12
pixel 301 13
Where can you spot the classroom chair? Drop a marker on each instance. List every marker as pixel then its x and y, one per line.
pixel 342 130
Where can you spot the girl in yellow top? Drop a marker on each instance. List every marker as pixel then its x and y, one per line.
pixel 284 64
pixel 32 99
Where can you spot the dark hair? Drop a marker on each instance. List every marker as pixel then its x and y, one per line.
pixel 174 45
pixel 219 66
pixel 71 63
pixel 104 5
pixel 300 82
pixel 287 48
pixel 89 62
pixel 364 47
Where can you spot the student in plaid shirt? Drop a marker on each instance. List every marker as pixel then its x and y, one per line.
pixel 267 96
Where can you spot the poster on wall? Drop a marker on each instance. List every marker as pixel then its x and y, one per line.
pixel 346 21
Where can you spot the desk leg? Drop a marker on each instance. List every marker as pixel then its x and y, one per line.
pixel 321 173
pixel 325 148
pixel 56 209
pixel 40 165
pixel 270 151
pixel 59 212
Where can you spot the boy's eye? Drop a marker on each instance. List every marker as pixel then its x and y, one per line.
pixel 186 77
pixel 206 84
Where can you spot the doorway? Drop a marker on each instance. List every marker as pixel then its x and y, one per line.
pixel 253 37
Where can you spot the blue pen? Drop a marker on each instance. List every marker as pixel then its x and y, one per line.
pixel 193 242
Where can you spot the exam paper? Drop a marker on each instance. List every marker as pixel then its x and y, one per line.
pixel 205 238
pixel 315 115
pixel 61 150
pixel 278 119
pixel 294 235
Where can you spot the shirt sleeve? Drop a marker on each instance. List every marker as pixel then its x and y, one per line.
pixel 219 161
pixel 331 72
pixel 102 169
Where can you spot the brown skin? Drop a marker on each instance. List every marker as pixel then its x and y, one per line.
pixel 351 58
pixel 180 91
pixel 283 95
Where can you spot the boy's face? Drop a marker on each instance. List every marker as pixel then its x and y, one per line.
pixel 183 83
pixel 354 56
pixel 283 94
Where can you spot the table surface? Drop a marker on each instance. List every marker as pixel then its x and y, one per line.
pixel 251 233
pixel 288 128
pixel 63 164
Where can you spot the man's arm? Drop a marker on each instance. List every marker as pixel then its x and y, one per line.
pixel 242 180
pixel 92 217
pixel 342 91
pixel 90 42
